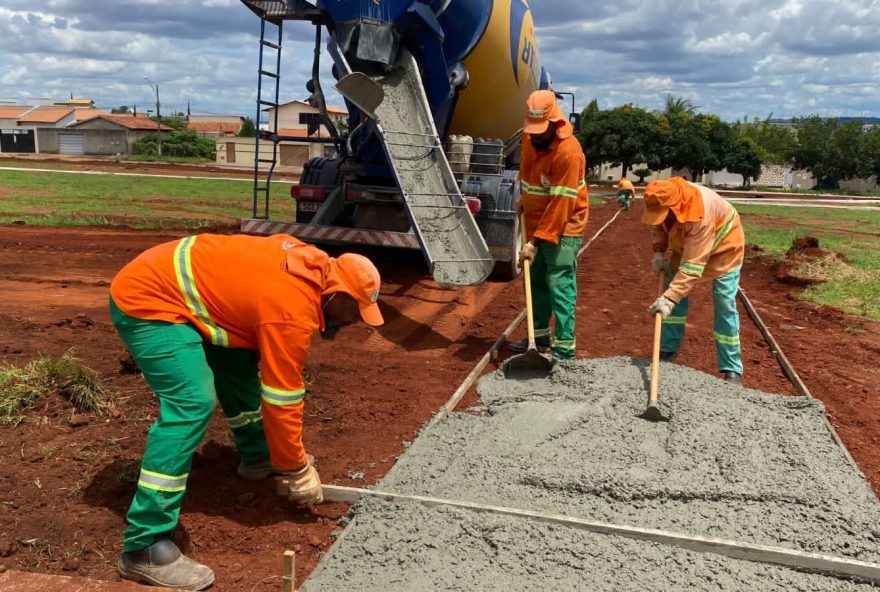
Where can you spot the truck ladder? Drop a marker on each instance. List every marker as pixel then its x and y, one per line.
pixel 270 51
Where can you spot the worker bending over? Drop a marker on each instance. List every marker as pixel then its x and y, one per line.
pixel 555 204
pixel 696 235
pixel 226 318
pixel 625 193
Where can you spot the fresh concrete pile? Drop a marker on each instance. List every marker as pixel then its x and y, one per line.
pixel 731 463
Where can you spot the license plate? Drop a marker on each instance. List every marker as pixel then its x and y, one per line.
pixel 308 206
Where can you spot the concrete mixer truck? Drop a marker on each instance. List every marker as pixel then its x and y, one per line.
pixel 435 93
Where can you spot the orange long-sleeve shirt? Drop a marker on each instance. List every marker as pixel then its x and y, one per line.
pixel 708 248
pixel 259 293
pixel 554 188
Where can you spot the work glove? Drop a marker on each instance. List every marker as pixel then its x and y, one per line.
pixel 663 305
pixel 302 487
pixel 528 252
pixel 661 263
pixel 518 206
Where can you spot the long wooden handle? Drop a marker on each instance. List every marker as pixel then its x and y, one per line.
pixel 655 354
pixel 527 269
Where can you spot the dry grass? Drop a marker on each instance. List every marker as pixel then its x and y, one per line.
pixel 830 267
pixel 22 387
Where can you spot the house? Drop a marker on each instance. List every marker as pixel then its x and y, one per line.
pixel 99 134
pixel 72 102
pixel 295 119
pixel 13 138
pixel 215 125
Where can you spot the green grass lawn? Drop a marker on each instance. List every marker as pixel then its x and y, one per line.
pixel 139 202
pixel 852 284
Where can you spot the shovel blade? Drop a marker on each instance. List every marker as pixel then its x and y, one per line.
pixel 363 91
pixel 531 364
pixel 652 412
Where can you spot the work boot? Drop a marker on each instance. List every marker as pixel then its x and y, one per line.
pixel 732 377
pixel 667 356
pixel 162 564
pixel 519 347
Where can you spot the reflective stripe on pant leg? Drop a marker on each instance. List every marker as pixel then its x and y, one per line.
pixel 672 331
pixel 726 328
pixel 561 262
pixel 237 382
pixel 173 363
pixel 541 302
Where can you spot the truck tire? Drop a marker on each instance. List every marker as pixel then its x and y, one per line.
pixel 508 270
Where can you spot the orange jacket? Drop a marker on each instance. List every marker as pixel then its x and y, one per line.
pixel 259 293
pixel 708 248
pixel 554 188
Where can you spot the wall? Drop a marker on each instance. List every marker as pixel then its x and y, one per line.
pixel 292 155
pixel 613 173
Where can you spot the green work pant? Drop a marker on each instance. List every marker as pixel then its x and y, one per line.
pixel 554 292
pixel 624 198
pixel 188 376
pixel 726 327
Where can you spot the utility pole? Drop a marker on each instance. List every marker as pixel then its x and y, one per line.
pixel 158 116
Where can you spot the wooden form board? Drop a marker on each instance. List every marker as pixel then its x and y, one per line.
pixel 801 560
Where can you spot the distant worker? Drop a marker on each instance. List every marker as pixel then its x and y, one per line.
pixel 226 318
pixel 555 204
pixel 625 193
pixel 697 235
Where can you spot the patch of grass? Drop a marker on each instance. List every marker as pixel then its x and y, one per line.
pixel 65 199
pixel 22 387
pixel 850 282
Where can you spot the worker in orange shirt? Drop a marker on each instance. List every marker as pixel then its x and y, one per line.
pixel 697 235
pixel 625 193
pixel 555 204
pixel 226 318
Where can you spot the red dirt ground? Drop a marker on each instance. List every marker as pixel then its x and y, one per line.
pixel 64 490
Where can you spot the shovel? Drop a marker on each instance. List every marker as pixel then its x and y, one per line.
pixel 652 411
pixel 531 364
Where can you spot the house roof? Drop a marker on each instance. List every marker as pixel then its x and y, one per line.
pixel 45 115
pixel 84 114
pixel 130 122
pixel 13 111
pixel 330 108
pixel 215 118
pixel 214 126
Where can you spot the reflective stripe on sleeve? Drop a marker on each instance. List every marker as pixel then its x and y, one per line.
pixel 276 396
pixel 160 482
pixel 187 282
pixel 533 189
pixel 690 268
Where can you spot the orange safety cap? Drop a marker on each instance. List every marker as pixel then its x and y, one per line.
pixel 356 276
pixel 674 194
pixel 542 108
pixel 625 183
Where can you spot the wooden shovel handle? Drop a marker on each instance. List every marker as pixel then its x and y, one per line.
pixel 655 354
pixel 527 268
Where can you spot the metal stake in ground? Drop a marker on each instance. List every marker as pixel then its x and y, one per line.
pixel 652 411
pixel 531 364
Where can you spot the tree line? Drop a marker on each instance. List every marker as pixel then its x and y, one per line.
pixel 681 138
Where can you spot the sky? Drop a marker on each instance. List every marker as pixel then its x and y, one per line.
pixel 734 58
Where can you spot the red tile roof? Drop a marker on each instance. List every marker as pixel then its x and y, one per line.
pixel 84 114
pixel 214 126
pixel 13 111
pixel 133 123
pixel 46 115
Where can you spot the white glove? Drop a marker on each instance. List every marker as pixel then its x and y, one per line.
pixel 528 252
pixel 661 263
pixel 663 306
pixel 302 487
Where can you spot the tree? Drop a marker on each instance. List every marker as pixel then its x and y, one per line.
pixel 775 143
pixel 745 160
pixel 624 135
pixel 248 130
pixel 871 149
pixel 829 149
pixel 642 173
pixel 178 143
pixel 675 107
pixel 120 109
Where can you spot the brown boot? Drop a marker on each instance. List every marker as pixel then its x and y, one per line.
pixel 162 564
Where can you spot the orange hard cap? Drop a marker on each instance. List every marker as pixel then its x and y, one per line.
pixel 625 183
pixel 542 108
pixel 674 194
pixel 356 276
